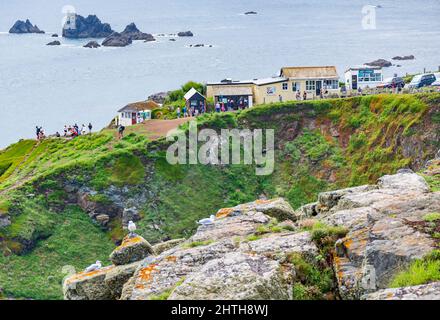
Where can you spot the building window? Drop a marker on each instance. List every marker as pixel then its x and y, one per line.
pixel 310 85
pixel 296 86
pixel 331 84
pixel 285 86
pixel 270 90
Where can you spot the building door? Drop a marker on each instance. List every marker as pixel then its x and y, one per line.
pixel 354 82
pixel 318 87
pixel 133 118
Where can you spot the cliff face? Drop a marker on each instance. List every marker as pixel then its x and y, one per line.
pixel 96 184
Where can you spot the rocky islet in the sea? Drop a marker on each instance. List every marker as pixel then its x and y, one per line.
pixel 92 45
pixel 21 27
pixel 79 27
pixel 54 43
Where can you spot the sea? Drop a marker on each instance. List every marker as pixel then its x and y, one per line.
pixel 52 86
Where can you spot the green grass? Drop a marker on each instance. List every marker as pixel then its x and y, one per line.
pixel 198 244
pixel 312 281
pixel 75 241
pixel 421 271
pixel 432 217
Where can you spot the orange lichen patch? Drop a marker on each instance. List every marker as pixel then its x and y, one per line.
pixel 338 268
pixel 171 258
pixel 145 273
pixel 348 243
pixel 87 275
pixel 262 201
pixel 222 213
pixel 389 295
pixel 129 241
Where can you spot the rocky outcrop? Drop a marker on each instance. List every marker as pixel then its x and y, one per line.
pixel 131 250
pixel 250 13
pixel 135 34
pixel 103 284
pixel 379 63
pixel 91 27
pixel 185 34
pixel 117 40
pixel 383 229
pixel 429 291
pixel 236 276
pixel 5 220
pixel 164 246
pixel 159 97
pixel 54 43
pixel 24 27
pixel 410 57
pixel 54 35
pixel 246 253
pixel 92 45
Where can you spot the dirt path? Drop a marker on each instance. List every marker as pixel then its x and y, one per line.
pixel 157 128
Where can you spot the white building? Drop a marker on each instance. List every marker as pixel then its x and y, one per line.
pixel 135 113
pixel 363 77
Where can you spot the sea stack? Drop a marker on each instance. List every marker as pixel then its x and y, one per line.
pixel 21 27
pixel 135 34
pixel 77 27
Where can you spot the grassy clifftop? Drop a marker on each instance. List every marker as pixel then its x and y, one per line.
pixel 52 191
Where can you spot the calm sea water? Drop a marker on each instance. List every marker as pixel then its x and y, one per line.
pixel 53 86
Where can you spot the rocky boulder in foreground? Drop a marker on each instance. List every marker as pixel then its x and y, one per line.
pixel 131 250
pixel 117 40
pixel 90 27
pixel 24 27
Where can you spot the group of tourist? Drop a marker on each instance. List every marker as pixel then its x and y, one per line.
pixel 75 130
pixel 230 105
pixel 190 112
pixel 70 131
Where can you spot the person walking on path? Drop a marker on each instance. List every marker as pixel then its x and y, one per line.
pixel 37 131
pixel 178 112
pixel 90 127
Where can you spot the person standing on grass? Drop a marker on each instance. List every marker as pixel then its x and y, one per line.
pixel 305 95
pixel 37 131
pixel 90 127
pixel 298 95
pixel 121 131
pixel 178 112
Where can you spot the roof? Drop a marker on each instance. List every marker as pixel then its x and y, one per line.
pixel 140 106
pixel 309 72
pixel 258 82
pixel 191 93
pixel 364 67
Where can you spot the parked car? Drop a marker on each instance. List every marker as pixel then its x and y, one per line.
pixel 393 82
pixel 421 80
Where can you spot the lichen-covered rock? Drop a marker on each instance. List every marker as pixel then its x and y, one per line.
pixel 328 200
pixel 383 234
pixel 158 274
pixel 88 286
pixel 236 224
pixel 277 208
pixel 236 276
pixel 118 276
pixel 131 250
pixel 280 245
pixel 164 246
pixel 429 291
